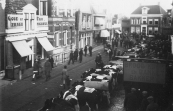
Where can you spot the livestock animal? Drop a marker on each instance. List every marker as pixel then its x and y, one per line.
pixel 58 104
pixel 85 96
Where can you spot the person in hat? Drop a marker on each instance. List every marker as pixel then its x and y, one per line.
pixel 144 102
pixel 131 101
pixel 64 75
pixel 71 58
pixel 47 68
pixel 80 55
pixel 35 69
pixel 152 106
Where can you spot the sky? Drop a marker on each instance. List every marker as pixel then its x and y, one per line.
pixel 126 7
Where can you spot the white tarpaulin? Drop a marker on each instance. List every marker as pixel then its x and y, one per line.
pixel 45 43
pixel 104 33
pixel 22 48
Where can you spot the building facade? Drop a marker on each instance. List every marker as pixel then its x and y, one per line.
pixel 61 26
pixel 26 35
pixel 2 36
pixel 147 20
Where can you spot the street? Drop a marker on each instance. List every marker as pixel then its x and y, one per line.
pixel 32 95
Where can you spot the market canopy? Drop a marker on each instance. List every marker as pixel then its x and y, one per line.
pixel 117 31
pixel 45 43
pixel 22 48
pixel 104 33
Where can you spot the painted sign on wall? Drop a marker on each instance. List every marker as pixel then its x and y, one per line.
pixel 42 21
pixel 144 72
pixel 14 21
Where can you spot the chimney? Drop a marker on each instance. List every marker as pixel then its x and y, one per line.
pixel 159 3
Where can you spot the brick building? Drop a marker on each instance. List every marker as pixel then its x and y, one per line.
pixel 147 19
pixel 61 25
pixel 26 34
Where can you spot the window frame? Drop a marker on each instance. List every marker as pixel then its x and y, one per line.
pixel 132 21
pixel 156 20
pixel 26 21
pixel 32 21
pixel 150 20
pixel 156 30
pixel 150 29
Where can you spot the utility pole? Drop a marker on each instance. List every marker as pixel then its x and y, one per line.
pixel 71 36
pixel 77 13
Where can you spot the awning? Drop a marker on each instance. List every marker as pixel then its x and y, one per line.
pixel 104 33
pixel 118 31
pixel 99 21
pixel 45 43
pixel 22 48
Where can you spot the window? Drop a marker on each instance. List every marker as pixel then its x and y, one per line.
pixel 150 21
pixel 132 21
pixel 137 21
pixel 57 39
pixel 144 20
pixel 144 11
pixel 61 12
pixel 150 30
pixel 32 21
pixel 43 7
pixel 132 29
pixel 144 30
pixel 68 37
pixel 156 21
pixel 68 13
pixel 26 21
pixel 138 30
pixel 155 30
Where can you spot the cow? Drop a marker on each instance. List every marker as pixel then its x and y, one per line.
pixel 85 96
pixel 58 104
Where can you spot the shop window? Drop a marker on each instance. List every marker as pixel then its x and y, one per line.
pixel 32 21
pixel 26 21
pixel 16 57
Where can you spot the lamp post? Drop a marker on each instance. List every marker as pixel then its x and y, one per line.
pixel 71 36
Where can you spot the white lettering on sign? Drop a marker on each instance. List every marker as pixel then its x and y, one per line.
pixel 144 72
pixel 42 21
pixel 14 21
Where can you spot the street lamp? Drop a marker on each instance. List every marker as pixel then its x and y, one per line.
pixel 71 36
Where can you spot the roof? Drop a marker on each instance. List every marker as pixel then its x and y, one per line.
pixel 153 9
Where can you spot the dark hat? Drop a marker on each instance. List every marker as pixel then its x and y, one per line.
pixel 150 97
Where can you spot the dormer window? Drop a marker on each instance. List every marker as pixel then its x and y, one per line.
pixel 145 10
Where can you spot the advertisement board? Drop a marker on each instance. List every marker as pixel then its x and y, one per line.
pixel 144 72
pixel 14 21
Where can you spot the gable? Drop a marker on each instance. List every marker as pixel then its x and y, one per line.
pixel 153 9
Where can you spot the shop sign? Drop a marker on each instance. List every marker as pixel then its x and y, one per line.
pixel 14 21
pixel 42 21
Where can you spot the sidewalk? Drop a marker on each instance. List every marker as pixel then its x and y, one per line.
pixel 28 72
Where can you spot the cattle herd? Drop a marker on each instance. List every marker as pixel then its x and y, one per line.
pixel 93 90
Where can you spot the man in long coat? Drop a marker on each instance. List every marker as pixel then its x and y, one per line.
pixel 47 69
